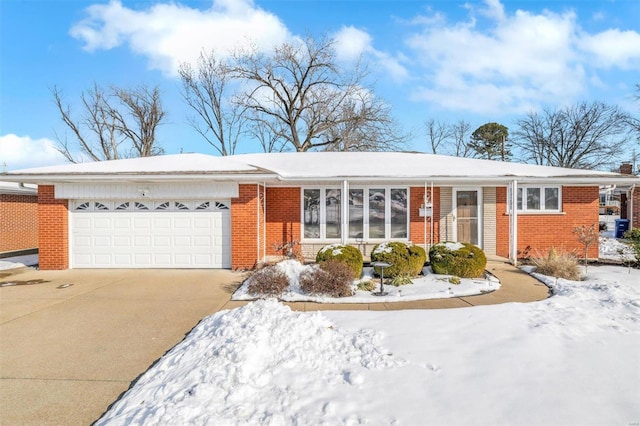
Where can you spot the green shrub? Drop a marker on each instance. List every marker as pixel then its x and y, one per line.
pixel 330 278
pixel 404 259
pixel 633 234
pixel 460 259
pixel 560 265
pixel 268 281
pixel 345 254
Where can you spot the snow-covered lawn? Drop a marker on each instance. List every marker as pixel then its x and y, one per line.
pixel 570 359
pixel 427 286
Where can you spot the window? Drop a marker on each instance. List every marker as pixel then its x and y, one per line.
pixel 376 213
pixel 538 198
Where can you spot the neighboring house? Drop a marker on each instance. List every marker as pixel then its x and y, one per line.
pixel 200 211
pixel 18 217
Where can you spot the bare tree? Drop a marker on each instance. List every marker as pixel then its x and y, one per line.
pixel 438 132
pixel 585 135
pixel 218 119
pixel 460 133
pixel 120 123
pixel 304 99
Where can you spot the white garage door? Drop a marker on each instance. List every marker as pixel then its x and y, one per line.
pixel 150 234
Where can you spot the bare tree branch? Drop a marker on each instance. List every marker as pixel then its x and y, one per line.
pixel 588 136
pixel 118 124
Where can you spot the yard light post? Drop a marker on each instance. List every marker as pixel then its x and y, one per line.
pixel 381 265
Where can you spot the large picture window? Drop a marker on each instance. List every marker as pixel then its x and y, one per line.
pixel 539 199
pixel 375 213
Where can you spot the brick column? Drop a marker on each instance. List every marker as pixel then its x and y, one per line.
pixel 53 229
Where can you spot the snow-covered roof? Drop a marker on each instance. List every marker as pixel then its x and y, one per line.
pixel 161 164
pixel 320 166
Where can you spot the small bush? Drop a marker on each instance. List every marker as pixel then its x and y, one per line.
pixel 402 279
pixel 460 259
pixel 268 281
pixel 633 234
pixel 346 254
pixel 559 265
pixel 330 278
pixel 404 259
pixel 368 285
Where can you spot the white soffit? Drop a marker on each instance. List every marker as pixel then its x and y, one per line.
pixel 125 191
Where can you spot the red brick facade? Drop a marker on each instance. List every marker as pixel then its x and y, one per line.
pixel 53 229
pixel 283 217
pixel 416 222
pixel 635 214
pixel 19 219
pixel 246 218
pixel 537 233
pixel 256 229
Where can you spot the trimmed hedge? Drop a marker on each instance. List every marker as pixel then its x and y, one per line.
pixel 404 259
pixel 341 253
pixel 460 259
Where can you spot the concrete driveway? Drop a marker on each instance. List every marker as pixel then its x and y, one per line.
pixel 72 341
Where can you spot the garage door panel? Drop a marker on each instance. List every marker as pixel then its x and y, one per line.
pixel 142 222
pixel 150 239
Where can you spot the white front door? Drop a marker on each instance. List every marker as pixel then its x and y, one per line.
pixel 150 234
pixel 467 207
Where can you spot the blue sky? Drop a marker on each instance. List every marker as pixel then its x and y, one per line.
pixel 479 61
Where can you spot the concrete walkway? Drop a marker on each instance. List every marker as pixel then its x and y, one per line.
pixel 71 342
pixel 516 286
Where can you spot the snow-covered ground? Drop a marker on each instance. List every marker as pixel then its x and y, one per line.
pixel 570 359
pixel 612 249
pixel 427 286
pixel 18 261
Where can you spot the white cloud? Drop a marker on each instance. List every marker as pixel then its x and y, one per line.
pixel 353 43
pixel 613 48
pixel 21 152
pixel 169 33
pixel 508 63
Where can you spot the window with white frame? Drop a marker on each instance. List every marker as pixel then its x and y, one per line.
pixel 321 213
pixel 375 212
pixel 539 199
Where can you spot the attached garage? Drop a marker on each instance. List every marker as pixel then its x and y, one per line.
pixel 142 233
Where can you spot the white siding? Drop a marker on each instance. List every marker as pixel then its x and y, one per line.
pixel 489 220
pixel 446 214
pixel 125 191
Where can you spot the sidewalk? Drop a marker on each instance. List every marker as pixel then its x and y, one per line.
pixel 516 286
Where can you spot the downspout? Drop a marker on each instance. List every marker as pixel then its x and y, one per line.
pixel 513 255
pixel 344 235
pixel 424 204
pixel 631 191
pixel 264 221
pixel 258 223
pixel 433 210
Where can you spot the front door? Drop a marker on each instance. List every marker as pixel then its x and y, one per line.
pixel 467 215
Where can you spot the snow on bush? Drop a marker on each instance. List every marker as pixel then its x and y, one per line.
pixel 259 364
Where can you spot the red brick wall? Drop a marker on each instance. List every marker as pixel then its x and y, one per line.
pixel 283 217
pixel 635 214
pixel 53 230
pixel 537 233
pixel 244 231
pixel 18 222
pixel 416 223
